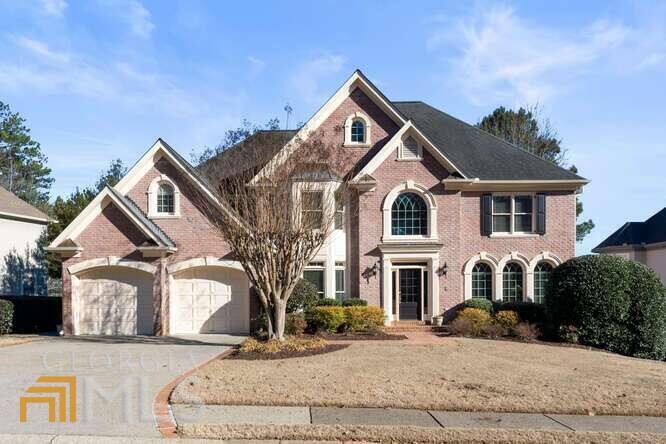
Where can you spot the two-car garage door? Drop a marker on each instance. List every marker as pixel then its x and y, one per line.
pixel 117 300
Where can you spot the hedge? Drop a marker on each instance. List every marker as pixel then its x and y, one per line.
pixel 612 303
pixel 354 302
pixel 35 314
pixel 352 318
pixel 483 304
pixel 6 316
pixel 303 297
pixel 527 311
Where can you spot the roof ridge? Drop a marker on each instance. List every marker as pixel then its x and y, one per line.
pixel 511 145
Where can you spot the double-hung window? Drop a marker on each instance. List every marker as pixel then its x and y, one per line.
pixel 312 209
pixel 314 273
pixel 513 213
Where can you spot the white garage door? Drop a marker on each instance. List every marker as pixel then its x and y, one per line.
pixel 115 301
pixel 210 300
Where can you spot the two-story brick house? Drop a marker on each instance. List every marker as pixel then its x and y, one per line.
pixel 438 212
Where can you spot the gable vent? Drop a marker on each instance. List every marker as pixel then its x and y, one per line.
pixel 410 149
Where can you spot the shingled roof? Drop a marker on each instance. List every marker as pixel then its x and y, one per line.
pixel 12 206
pixel 651 231
pixel 479 154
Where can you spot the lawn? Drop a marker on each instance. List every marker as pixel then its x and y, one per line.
pixel 7 340
pixel 458 374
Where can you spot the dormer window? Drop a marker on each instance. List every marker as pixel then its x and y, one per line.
pixel 165 199
pixel 358 131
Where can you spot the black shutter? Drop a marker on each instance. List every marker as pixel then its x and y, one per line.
pixel 486 214
pixel 541 213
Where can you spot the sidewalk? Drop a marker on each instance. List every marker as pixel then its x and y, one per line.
pixel 273 415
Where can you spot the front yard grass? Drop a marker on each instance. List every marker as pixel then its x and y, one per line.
pixel 7 340
pixel 460 375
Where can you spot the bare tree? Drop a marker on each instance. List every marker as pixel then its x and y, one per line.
pixel 275 224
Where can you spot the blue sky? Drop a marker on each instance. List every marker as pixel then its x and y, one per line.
pixel 103 79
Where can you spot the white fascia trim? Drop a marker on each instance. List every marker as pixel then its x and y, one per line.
pixel 89 213
pixel 39 220
pixel 394 144
pixel 355 80
pixel 477 184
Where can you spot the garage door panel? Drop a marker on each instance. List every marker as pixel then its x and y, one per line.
pixel 218 299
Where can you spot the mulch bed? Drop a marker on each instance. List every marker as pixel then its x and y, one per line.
pixel 285 354
pixel 361 336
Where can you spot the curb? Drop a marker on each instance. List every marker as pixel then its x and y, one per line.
pixel 164 420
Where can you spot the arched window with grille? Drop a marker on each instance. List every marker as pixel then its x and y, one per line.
pixel 541 275
pixel 482 281
pixel 358 131
pixel 512 282
pixel 409 215
pixel 165 199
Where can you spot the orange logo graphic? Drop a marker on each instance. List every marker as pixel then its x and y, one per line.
pixel 56 398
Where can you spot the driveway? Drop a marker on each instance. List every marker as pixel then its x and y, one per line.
pixel 117 380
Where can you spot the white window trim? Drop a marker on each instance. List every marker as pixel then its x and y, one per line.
pixel 340 266
pixel 512 232
pixel 427 197
pixel 368 133
pixel 321 268
pixel 401 151
pixel 152 198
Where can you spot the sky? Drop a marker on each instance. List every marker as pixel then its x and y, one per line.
pixel 102 79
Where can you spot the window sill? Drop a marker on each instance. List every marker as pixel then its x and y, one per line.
pixel 409 159
pixel 502 235
pixel 164 216
pixel 411 239
pixel 357 145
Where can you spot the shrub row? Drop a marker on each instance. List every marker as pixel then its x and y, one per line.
pixel 352 302
pixel 472 321
pixel 527 311
pixel 350 318
pixel 6 316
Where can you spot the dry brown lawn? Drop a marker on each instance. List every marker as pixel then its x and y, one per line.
pixel 459 375
pixel 7 340
pixel 404 434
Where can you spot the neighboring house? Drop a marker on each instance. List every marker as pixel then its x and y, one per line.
pixel 644 242
pixel 439 212
pixel 21 224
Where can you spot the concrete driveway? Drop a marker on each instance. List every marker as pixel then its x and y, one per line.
pixel 117 379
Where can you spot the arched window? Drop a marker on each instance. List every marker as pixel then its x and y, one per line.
pixel 409 216
pixel 165 199
pixel 541 275
pixel 482 281
pixel 358 131
pixel 512 282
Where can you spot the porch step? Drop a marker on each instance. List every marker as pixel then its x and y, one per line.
pixel 415 326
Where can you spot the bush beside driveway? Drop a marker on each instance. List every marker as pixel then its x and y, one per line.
pixel 460 374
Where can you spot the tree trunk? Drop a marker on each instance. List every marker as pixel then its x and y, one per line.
pixel 280 318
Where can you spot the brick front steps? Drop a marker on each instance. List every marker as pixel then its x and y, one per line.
pixel 413 326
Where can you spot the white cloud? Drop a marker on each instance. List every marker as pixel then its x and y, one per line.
pixel 42 50
pixel 61 73
pixel 140 19
pixel 500 56
pixel 55 8
pixel 256 65
pixel 306 80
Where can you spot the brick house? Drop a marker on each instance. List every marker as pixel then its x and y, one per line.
pixel 438 212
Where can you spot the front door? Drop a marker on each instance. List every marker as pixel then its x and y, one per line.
pixel 410 289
